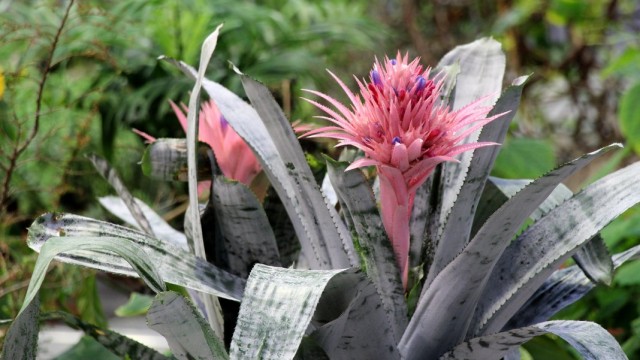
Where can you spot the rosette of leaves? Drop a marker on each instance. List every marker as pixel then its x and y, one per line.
pixel 485 252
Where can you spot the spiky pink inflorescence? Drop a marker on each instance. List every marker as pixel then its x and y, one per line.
pixel 234 157
pixel 397 121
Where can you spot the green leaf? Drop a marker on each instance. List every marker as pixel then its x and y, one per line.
pixel 528 261
pixel 174 265
pixel 359 205
pixel 246 232
pixel 87 348
pixel 89 304
pixel 629 113
pixel 448 304
pixel 523 158
pixel 138 304
pixel 118 344
pixel 188 334
pixel 590 339
pixel 21 341
pixel 276 310
pixel 629 275
pixel 457 230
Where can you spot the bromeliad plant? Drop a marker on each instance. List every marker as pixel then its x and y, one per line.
pixel 446 272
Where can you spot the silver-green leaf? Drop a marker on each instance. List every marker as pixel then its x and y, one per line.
pixel 188 334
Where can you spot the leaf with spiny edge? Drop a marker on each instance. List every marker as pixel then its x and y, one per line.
pixel 449 303
pixel 532 257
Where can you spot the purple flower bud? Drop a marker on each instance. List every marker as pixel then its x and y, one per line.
pixel 421 83
pixel 396 140
pixel 393 61
pixel 375 78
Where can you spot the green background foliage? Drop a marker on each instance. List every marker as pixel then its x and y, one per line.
pixel 104 80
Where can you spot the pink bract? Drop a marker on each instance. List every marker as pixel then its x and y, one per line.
pixel 403 130
pixel 234 157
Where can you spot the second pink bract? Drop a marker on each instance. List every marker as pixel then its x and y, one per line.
pixel 234 157
pixel 403 131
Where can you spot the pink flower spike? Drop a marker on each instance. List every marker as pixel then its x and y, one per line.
pixel 235 159
pixel 397 120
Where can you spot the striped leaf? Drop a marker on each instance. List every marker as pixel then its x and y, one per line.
pixel 590 339
pixel 166 159
pixel 593 257
pixel 110 174
pixel 21 340
pixel 161 228
pixel 561 289
pixel 531 259
pixel 482 65
pixel 359 205
pixel 247 235
pixel 276 310
pixel 188 334
pixel 174 265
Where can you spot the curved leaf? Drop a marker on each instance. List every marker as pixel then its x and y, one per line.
pixel 188 334
pixel 593 257
pixel 353 316
pixel 121 247
pixel 561 289
pixel 359 205
pixel 529 260
pixel 174 265
pixel 590 339
pixel 275 312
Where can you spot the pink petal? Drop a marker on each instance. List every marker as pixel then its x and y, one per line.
pixel 415 149
pixel 400 157
pixel 149 139
pixel 362 162
pixel 181 117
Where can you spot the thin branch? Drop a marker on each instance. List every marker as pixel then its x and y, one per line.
pixel 18 150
